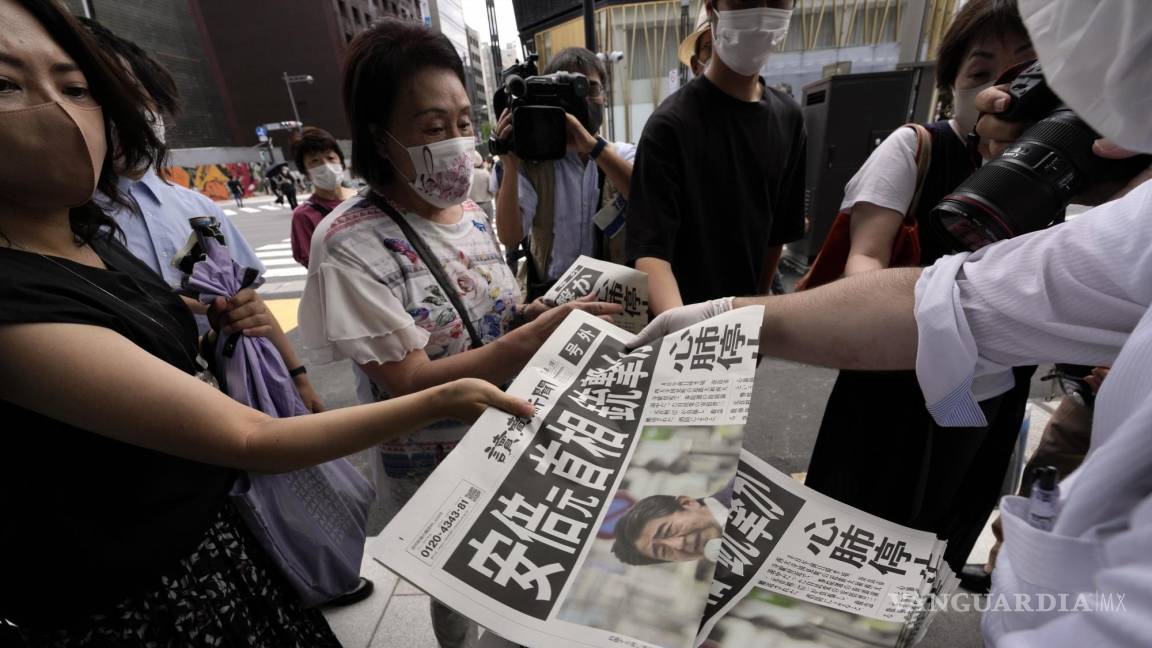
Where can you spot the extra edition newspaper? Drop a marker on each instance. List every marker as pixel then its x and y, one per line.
pixel 616 516
pixel 612 283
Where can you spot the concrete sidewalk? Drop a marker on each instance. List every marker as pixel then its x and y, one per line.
pixel 397 614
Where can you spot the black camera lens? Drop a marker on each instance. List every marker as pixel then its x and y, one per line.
pixel 1025 189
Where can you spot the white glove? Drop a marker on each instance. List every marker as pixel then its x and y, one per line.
pixel 680 318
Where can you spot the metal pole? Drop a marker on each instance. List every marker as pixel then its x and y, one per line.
pixel 291 97
pixel 590 25
pixel 494 44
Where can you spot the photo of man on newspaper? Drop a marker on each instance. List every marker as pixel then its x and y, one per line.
pixel 662 538
pixel 670 528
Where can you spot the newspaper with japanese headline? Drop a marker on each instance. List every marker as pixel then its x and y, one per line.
pixel 616 516
pixel 612 283
pixel 796 564
pixel 520 527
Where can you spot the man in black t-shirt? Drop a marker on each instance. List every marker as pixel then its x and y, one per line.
pixel 718 183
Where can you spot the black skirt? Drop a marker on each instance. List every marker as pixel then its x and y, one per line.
pixel 879 450
pixel 225 593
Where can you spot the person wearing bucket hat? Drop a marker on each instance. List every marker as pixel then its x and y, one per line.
pixel 718 185
pixel 696 48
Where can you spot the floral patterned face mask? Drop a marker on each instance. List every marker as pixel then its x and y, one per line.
pixel 443 170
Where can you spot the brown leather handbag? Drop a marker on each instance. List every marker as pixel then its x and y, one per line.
pixel 833 256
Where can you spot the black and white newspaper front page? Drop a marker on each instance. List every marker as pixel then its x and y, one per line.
pixel 598 522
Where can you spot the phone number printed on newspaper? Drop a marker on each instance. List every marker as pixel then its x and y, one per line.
pixel 450 517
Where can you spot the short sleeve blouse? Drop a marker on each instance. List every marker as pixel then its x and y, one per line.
pixel 370 298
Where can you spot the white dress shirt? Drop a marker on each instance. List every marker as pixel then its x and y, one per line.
pixel 1078 293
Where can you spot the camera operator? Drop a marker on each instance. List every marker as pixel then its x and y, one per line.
pixel 554 202
pixel 1077 293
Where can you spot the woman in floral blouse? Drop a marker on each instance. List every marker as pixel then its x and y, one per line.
pixel 369 295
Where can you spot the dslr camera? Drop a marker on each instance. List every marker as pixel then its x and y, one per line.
pixel 538 103
pixel 1032 182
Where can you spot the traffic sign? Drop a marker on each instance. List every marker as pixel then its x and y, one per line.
pixel 261 132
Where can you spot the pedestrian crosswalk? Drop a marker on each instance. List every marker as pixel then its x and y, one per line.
pixel 277 258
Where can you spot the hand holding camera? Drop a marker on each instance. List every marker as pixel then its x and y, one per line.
pixel 1045 158
pixel 539 110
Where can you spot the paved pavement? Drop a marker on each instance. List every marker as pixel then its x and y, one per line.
pixel 785 417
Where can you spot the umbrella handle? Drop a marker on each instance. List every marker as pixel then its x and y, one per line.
pixel 250 275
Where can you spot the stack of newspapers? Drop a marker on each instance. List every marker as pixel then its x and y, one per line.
pixel 626 512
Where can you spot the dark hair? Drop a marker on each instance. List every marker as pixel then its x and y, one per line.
pixel 977 19
pixel 153 77
pixel 577 59
pixel 631 524
pixel 314 140
pixel 121 102
pixel 380 61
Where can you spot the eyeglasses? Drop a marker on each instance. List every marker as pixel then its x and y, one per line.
pixel 596 89
pixel 1072 386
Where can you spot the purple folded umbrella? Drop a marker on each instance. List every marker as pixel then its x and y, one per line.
pixel 249 368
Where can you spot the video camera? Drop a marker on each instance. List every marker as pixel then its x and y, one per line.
pixel 1032 182
pixel 538 103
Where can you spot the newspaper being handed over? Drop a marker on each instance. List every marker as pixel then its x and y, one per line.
pixel 612 283
pixel 798 565
pixel 605 519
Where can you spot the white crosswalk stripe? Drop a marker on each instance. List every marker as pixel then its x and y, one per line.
pixel 229 212
pixel 298 271
pixel 250 210
pixel 278 262
pixel 281 268
pixel 270 207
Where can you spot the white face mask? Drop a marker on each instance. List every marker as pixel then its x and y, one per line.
pixel 327 176
pixel 1095 57
pixel 443 170
pixel 964 107
pixel 745 38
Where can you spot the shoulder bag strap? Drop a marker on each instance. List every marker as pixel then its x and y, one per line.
pixel 923 160
pixel 433 265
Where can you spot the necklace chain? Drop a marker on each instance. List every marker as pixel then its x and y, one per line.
pixel 198 362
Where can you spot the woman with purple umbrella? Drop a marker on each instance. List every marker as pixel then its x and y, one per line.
pixel 128 536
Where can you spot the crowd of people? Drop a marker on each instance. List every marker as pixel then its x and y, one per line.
pixel 415 279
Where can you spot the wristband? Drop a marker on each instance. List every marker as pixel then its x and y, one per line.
pixel 298 371
pixel 601 144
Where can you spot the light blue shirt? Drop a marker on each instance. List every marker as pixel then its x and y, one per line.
pixel 158 233
pixel 577 201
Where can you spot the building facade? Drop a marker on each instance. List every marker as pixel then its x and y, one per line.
pixel 479 89
pixel 167 30
pixel 859 35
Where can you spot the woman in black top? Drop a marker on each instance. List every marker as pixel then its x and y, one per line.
pixel 115 462
pixel 878 448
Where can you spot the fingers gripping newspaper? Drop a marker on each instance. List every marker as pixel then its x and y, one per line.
pixel 612 283
pixel 597 522
pixel 625 513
